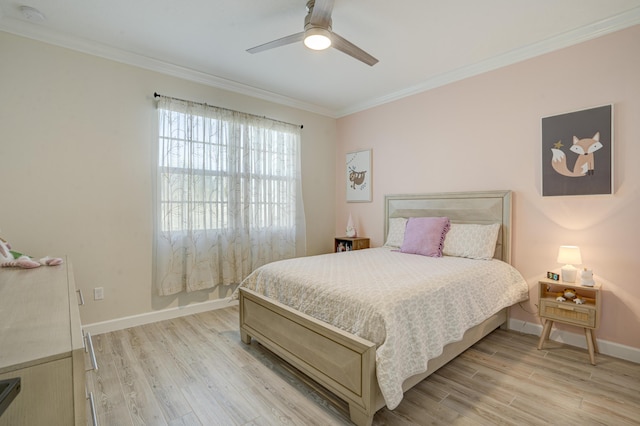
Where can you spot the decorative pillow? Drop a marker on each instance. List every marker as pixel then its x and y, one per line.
pixel 397 227
pixel 425 236
pixel 471 240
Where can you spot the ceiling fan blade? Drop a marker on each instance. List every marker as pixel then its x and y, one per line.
pixel 277 43
pixel 351 49
pixel 321 13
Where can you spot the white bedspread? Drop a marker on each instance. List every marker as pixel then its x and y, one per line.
pixel 410 306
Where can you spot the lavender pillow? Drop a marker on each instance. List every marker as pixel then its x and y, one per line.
pixel 425 236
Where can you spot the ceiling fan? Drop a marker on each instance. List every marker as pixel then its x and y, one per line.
pixel 317 34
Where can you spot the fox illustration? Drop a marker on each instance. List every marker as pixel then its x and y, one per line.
pixel 584 163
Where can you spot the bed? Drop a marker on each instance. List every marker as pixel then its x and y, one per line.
pixel 369 357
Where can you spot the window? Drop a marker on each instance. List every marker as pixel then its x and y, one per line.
pixel 228 195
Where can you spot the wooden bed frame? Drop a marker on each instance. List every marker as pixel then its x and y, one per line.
pixel 344 363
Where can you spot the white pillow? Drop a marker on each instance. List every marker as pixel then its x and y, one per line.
pixel 471 240
pixel 397 225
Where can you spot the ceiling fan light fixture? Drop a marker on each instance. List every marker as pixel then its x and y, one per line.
pixel 317 38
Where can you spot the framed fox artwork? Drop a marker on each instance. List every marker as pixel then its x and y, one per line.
pixel 577 152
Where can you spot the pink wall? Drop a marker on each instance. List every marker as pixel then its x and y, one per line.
pixel 483 133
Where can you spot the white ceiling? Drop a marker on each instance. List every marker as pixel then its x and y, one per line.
pixel 421 44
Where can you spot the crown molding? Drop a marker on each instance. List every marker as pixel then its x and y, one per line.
pixel 39 33
pixel 569 38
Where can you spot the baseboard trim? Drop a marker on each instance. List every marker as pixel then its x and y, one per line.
pixel 575 339
pixel 155 316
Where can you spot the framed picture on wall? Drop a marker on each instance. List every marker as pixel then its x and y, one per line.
pixel 577 152
pixel 358 175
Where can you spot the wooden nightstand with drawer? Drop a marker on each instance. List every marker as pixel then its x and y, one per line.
pixel 586 315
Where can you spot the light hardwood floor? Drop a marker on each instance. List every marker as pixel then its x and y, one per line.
pixel 195 371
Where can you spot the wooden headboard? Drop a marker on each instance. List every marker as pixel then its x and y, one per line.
pixel 483 207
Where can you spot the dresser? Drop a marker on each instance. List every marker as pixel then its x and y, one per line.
pixel 41 342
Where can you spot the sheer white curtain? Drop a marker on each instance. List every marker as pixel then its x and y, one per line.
pixel 229 195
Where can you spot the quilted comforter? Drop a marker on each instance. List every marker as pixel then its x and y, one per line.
pixel 410 306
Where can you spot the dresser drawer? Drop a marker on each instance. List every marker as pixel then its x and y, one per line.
pixel 581 315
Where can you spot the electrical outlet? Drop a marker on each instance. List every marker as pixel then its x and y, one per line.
pixel 98 293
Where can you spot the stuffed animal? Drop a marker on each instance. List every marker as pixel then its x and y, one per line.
pixel 10 258
pixel 566 294
pixel 569 294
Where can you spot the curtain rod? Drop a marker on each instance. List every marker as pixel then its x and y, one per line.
pixel 158 95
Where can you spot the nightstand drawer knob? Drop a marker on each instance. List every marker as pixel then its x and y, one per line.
pixel 566 308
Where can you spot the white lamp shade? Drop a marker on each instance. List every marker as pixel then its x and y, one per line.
pixel 569 255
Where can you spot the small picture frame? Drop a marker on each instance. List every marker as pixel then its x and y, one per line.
pixel 553 276
pixel 358 176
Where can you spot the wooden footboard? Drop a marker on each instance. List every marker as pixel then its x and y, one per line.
pixel 341 362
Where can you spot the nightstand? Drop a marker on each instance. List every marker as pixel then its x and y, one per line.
pixel 586 315
pixel 350 243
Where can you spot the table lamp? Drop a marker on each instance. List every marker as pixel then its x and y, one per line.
pixel 569 255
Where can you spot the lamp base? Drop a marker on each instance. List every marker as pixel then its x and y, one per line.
pixel 569 273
